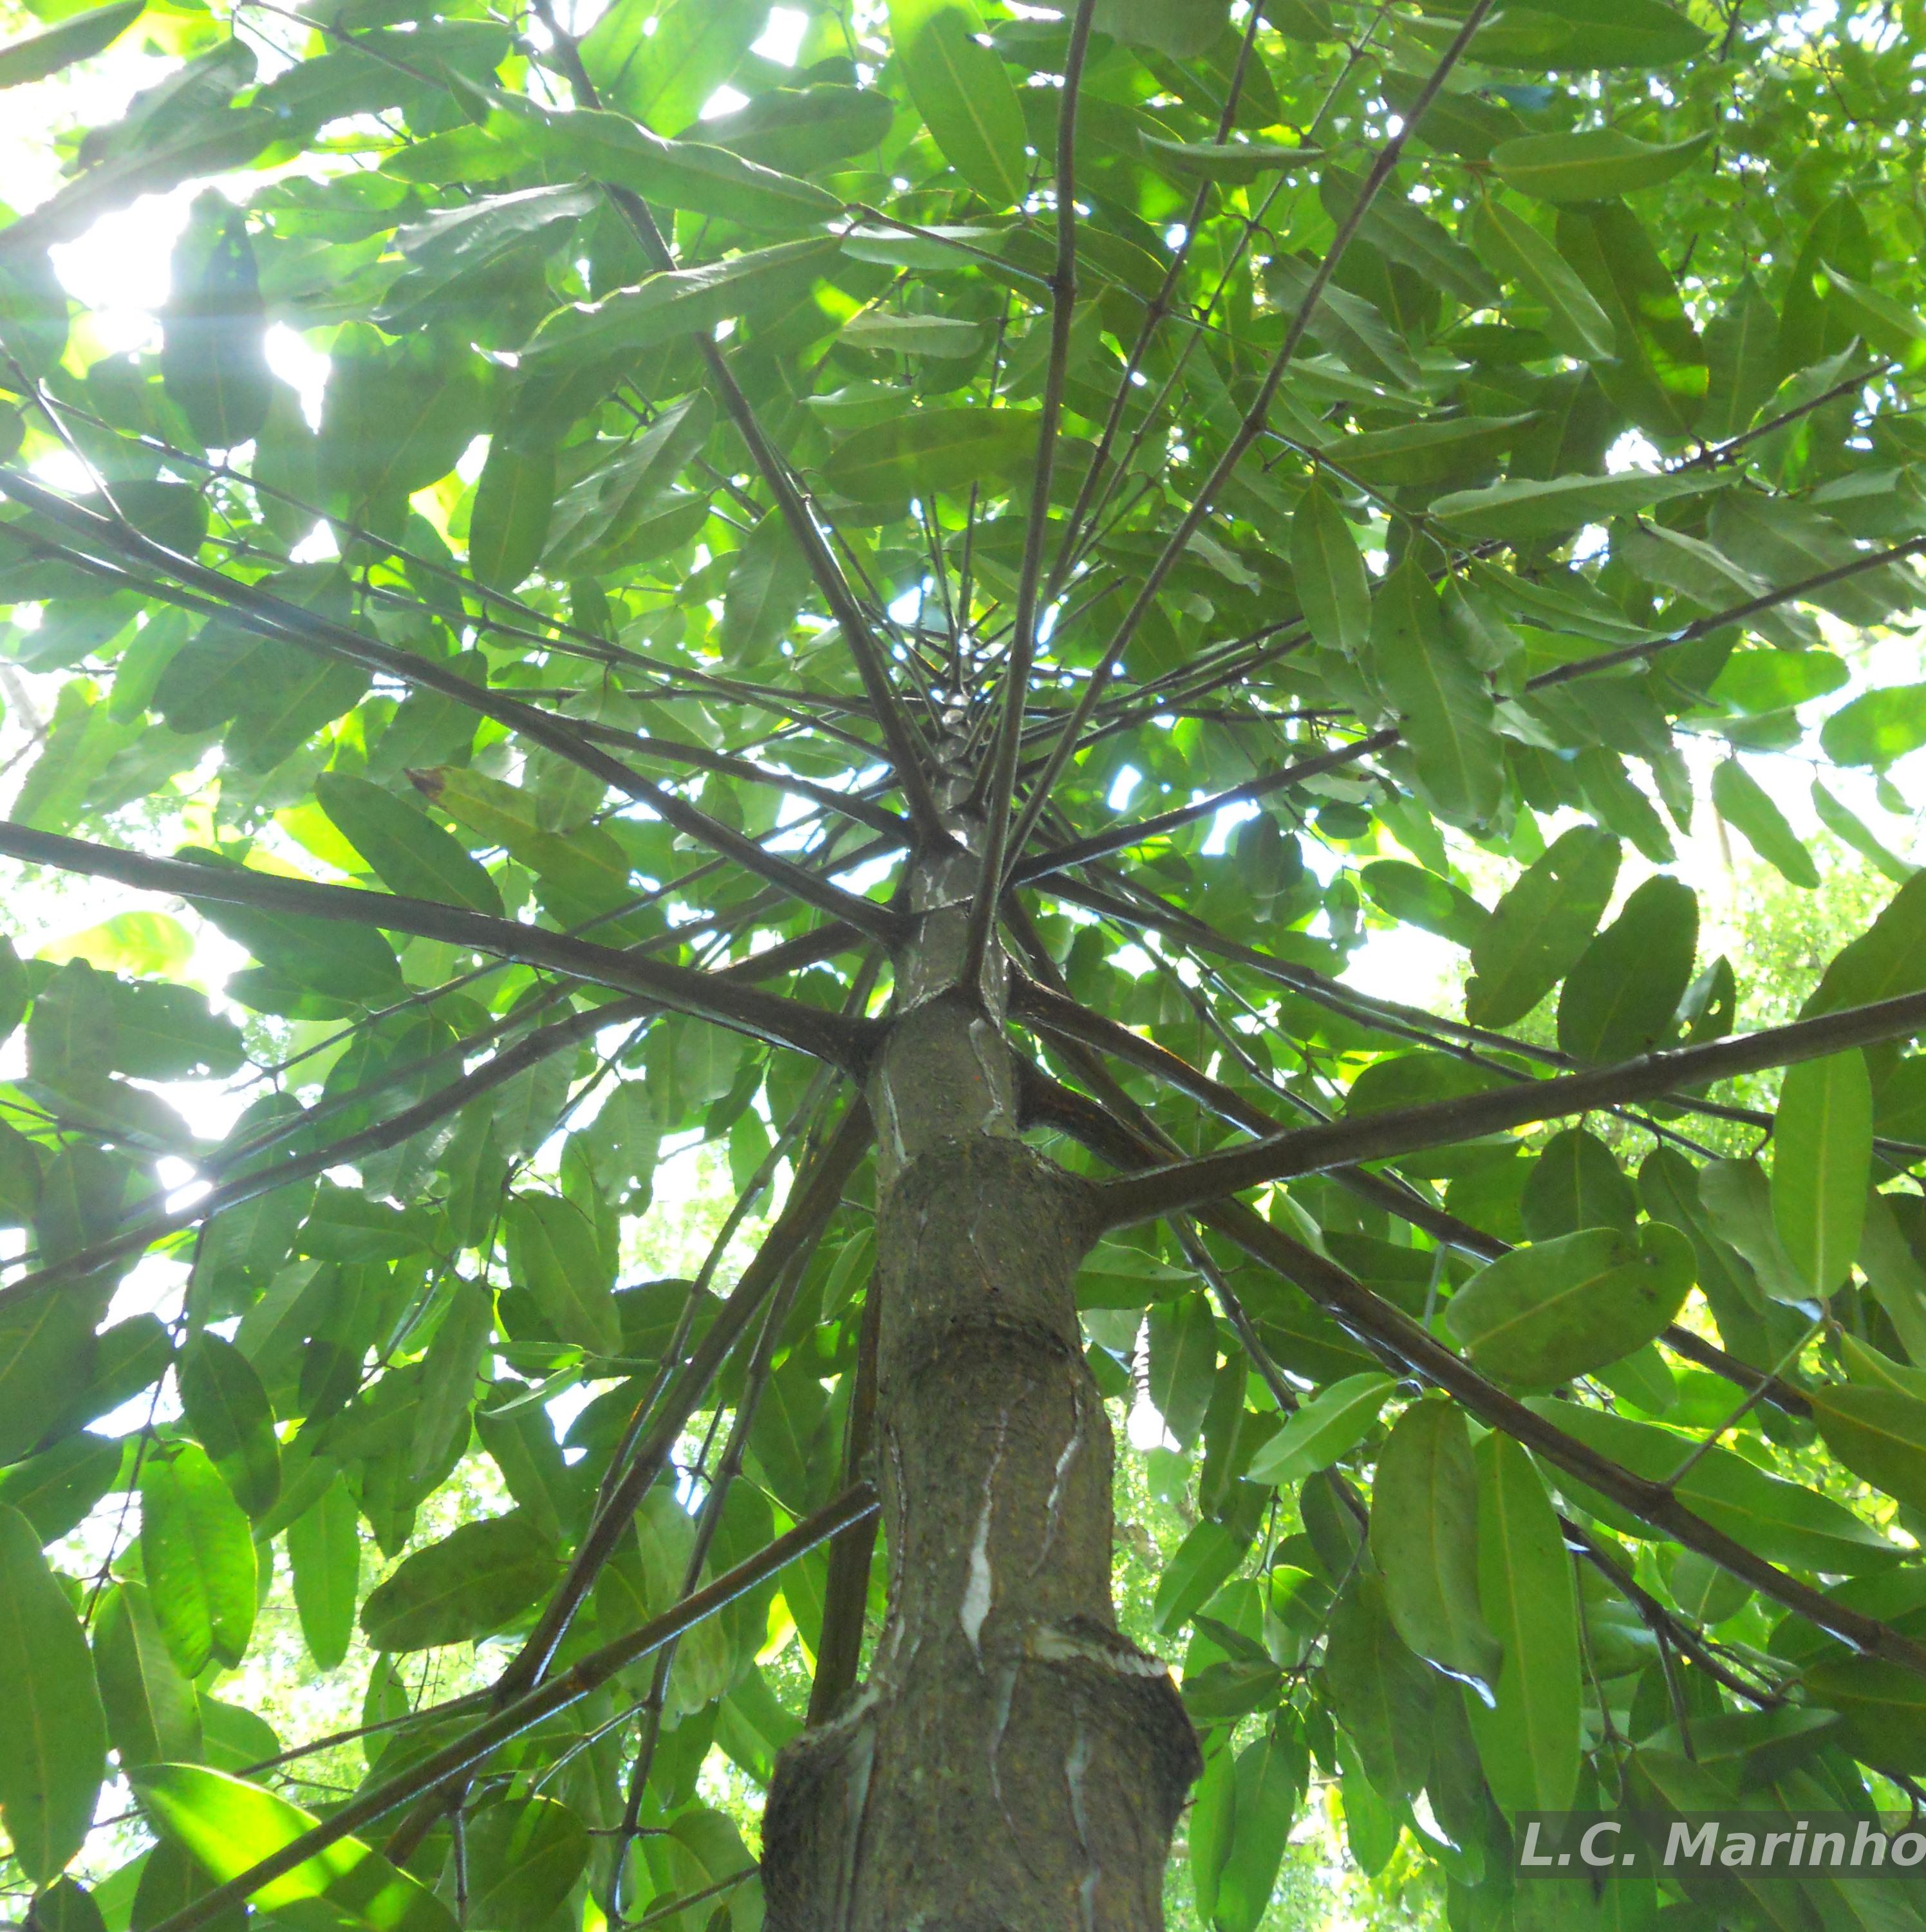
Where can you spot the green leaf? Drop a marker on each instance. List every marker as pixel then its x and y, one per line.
pixel 197 1555
pixel 1541 1315
pixel 693 175
pixel 1851 830
pixel 214 342
pixel 1424 1535
pixel 228 1409
pixel 1776 1519
pixel 524 1859
pixel 1400 231
pixel 515 497
pixel 229 1826
pixel 1200 1566
pixel 964 94
pixel 912 335
pixel 1241 162
pixel 56 1490
pixel 1528 1739
pixel 1878 1434
pixel 53 1735
pixel 1272 1773
pixel 1740 800
pixel 1539 930
pixel 1414 897
pixel 1576 1184
pixel 1325 1429
pixel 77 37
pixel 1620 999
pixel 1183 1363
pixel 152 1714
pixel 1427 452
pixel 47 1349
pixel 675 302
pixel 552 1252
pixel 1446 707
pixel 1333 586
pixel 407 851
pixel 1595 165
pixel 1878 727
pixel 324 1553
pixel 1884 1705
pixel 1821 1166
pixel 1522 509
pixel 930 449
pixel 473 1582
pixel 1515 252
pixel 1381 1694
pixel 454 1358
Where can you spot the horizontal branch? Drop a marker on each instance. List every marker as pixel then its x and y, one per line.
pixel 1062 1018
pixel 710 996
pixel 270 616
pixel 1407 1129
pixel 1387 1329
pixel 588 1673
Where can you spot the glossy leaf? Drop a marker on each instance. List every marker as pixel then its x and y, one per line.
pixel 228 1410
pixel 473 1581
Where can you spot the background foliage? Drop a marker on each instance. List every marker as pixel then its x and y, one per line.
pixel 1453 534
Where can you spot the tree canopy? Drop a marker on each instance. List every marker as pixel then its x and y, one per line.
pixel 614 505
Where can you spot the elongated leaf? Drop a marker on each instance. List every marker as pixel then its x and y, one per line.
pixel 1595 165
pixel 1323 1430
pixel 553 1253
pixel 53 1737
pixel 1522 509
pixel 1183 1361
pixel 1424 1535
pixel 1271 1775
pixel 1447 707
pixel 514 499
pixel 409 852
pixel 472 1582
pixel 675 302
pixel 197 1555
pixel 228 1824
pixel 1620 999
pixel 152 1713
pixel 1539 930
pixel 524 1859
pixel 228 1410
pixel 1743 804
pixel 324 1552
pixel 1382 1694
pixel 1515 252
pixel 1822 1162
pixel 77 37
pixel 1528 1738
pixel 1332 585
pixel 963 92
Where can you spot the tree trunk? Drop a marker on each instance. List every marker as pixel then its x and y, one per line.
pixel 1012 1762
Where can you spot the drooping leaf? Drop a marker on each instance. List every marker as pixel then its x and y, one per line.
pixel 1620 999
pixel 1821 1163
pixel 1424 1535
pixel 197 1555
pixel 53 1737
pixel 228 1410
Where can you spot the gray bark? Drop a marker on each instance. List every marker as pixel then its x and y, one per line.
pixel 1013 1762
